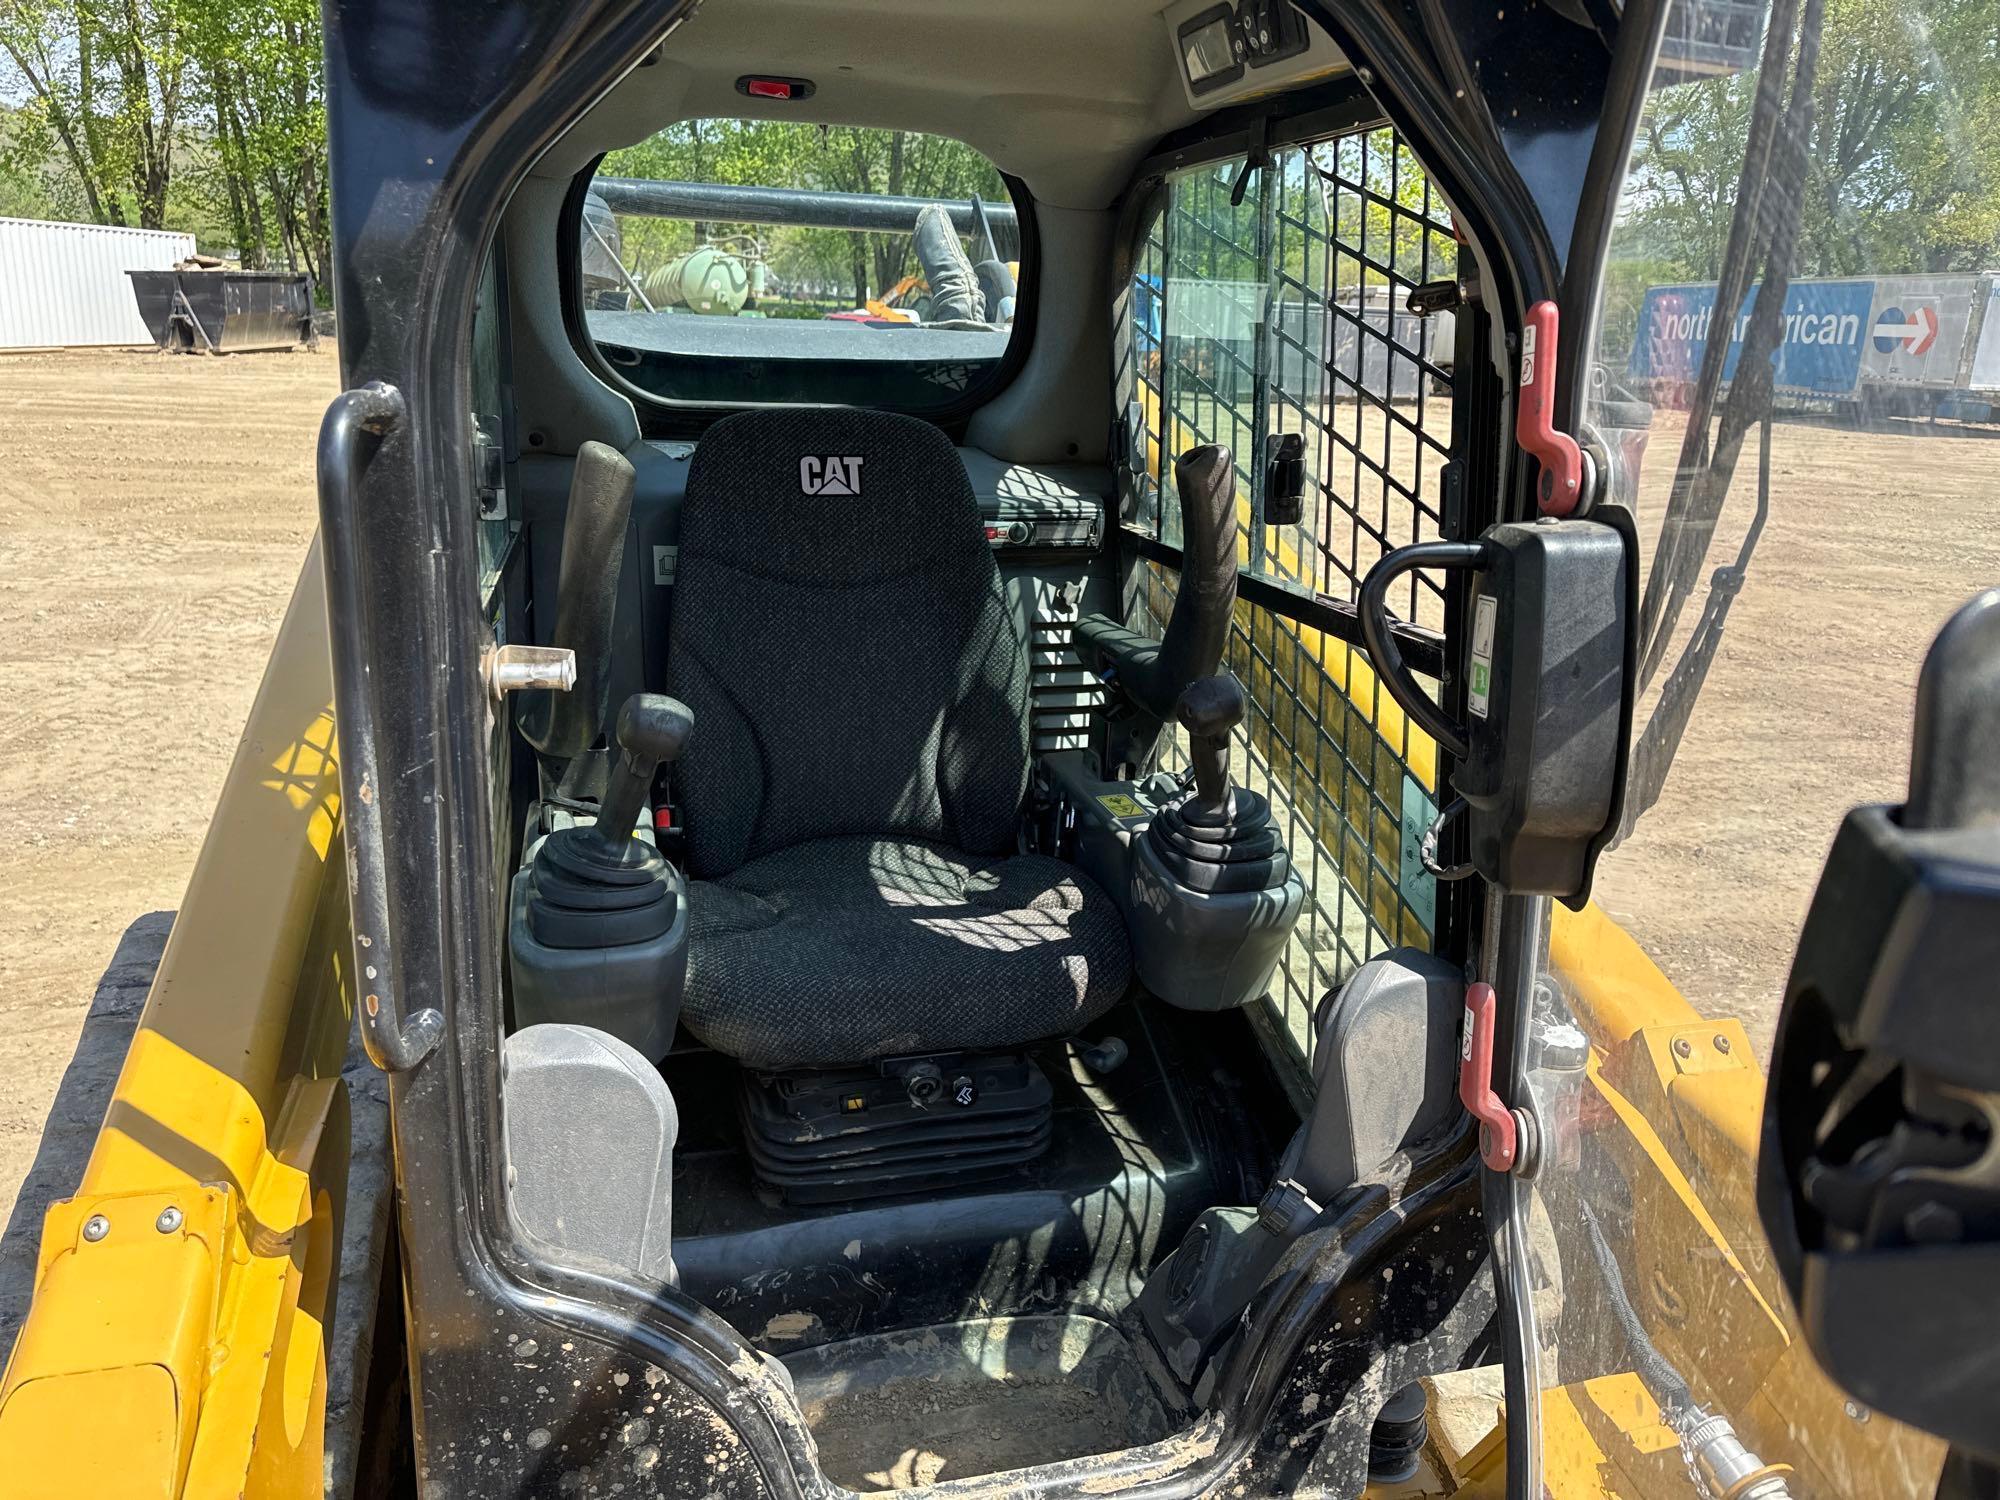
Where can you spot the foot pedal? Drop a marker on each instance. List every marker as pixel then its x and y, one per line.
pixel 904 1125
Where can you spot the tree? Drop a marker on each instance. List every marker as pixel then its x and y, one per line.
pixel 105 83
pixel 259 85
pixel 1903 166
pixel 25 189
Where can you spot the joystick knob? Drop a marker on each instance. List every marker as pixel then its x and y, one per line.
pixel 652 729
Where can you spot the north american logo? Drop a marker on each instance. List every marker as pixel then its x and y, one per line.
pixel 833 475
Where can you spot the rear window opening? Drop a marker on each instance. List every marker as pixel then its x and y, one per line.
pixel 743 262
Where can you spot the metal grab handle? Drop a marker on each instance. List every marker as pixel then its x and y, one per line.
pixel 1379 640
pixel 349 437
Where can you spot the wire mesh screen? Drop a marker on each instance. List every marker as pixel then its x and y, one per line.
pixel 1274 303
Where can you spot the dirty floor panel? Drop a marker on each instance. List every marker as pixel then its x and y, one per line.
pixel 903 1410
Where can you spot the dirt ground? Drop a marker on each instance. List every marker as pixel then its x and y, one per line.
pixel 1873 540
pixel 154 513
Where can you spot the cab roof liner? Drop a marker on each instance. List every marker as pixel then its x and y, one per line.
pixel 1066 97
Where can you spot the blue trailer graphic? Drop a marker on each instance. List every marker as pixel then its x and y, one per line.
pixel 1912 345
pixel 1826 323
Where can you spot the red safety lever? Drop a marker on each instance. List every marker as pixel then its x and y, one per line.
pixel 1475 1080
pixel 1534 414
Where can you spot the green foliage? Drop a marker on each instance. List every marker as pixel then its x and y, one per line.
pixel 104 92
pixel 1903 159
pixel 26 191
pixel 259 87
pixel 182 114
pixel 778 153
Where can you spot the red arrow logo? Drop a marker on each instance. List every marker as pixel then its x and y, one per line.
pixel 1917 335
pixel 1927 319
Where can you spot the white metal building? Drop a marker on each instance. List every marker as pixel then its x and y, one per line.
pixel 66 283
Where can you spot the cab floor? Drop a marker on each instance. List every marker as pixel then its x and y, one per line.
pixel 900 1411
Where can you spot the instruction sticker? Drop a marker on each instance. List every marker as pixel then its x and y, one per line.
pixel 665 561
pixel 1120 806
pixel 1479 682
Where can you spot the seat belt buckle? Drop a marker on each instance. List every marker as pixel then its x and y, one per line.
pixel 669 836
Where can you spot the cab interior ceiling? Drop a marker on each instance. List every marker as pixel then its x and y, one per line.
pixel 1067 97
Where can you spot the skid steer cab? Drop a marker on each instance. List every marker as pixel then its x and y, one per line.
pixel 1000 900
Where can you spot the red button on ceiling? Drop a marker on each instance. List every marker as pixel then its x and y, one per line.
pixel 767 88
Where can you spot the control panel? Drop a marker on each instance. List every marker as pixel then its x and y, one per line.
pixel 1038 507
pixel 1043 523
pixel 1235 49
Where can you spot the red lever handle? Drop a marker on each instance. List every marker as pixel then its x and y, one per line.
pixel 1475 1080
pixel 1534 414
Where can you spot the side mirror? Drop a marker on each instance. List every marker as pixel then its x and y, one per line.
pixel 1876 1180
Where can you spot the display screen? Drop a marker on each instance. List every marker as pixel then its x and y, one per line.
pixel 1207 51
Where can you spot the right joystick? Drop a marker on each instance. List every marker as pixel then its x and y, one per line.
pixel 1209 709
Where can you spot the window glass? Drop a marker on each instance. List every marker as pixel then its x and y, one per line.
pixel 1796 377
pixel 747 261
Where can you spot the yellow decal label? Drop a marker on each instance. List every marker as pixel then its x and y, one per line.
pixel 1121 806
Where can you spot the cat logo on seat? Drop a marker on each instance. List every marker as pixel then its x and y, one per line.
pixel 832 475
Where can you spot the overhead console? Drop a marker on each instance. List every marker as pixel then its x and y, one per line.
pixel 1231 50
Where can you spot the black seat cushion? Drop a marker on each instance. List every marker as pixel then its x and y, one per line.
pixel 851 659
pixel 850 949
pixel 853 786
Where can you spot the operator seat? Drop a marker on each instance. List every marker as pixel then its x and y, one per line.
pixel 852 790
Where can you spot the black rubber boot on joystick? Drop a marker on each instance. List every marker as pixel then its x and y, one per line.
pixel 1220 837
pixel 597 886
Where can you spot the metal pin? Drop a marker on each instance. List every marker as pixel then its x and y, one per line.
pixel 511 668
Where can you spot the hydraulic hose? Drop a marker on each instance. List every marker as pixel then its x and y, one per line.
pixel 1659 1376
pixel 1724 1468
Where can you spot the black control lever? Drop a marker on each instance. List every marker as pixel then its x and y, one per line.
pixel 564 725
pixel 652 729
pixel 1209 709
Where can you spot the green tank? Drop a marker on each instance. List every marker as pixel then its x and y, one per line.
pixel 704 280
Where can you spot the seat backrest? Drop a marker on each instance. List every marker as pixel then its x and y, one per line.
pixel 841 633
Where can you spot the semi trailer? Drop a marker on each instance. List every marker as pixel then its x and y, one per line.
pixel 1866 347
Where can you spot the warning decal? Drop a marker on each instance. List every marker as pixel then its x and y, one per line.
pixel 1120 806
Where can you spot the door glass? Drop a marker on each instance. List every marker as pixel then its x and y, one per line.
pixel 1796 376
